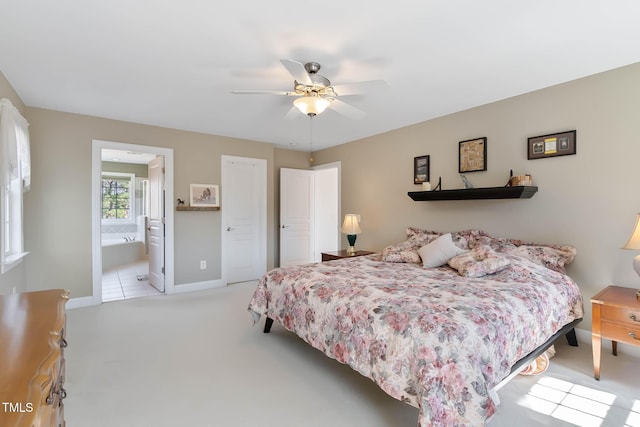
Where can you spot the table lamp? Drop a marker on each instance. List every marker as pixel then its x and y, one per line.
pixel 351 227
pixel 634 243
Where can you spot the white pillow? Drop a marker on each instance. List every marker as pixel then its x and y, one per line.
pixel 439 251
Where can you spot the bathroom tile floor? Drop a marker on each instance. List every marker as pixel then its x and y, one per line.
pixel 122 282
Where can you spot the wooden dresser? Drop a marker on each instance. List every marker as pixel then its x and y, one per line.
pixel 32 342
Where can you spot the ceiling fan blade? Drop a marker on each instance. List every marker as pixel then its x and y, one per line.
pixel 347 110
pixel 297 70
pixel 264 92
pixel 360 87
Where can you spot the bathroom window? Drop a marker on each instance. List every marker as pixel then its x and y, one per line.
pixel 118 197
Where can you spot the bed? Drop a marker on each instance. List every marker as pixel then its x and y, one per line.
pixel 438 338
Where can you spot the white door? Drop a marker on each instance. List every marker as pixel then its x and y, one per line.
pixel 156 223
pixel 327 210
pixel 244 207
pixel 296 216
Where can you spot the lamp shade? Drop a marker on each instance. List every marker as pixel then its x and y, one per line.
pixel 634 240
pixel 351 224
pixel 311 105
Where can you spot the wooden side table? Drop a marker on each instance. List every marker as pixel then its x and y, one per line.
pixel 329 256
pixel 616 316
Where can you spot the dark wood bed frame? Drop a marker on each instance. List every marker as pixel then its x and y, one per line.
pixel 568 330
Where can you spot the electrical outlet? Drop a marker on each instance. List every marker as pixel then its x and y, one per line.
pixel 203 265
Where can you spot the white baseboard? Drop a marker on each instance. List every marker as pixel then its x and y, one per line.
pixel 79 302
pixel 177 289
pixel 198 286
pixel 584 338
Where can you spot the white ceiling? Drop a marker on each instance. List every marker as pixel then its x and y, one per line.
pixel 175 63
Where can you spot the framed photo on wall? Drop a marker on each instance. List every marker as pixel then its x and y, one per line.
pixel 420 169
pixel 552 145
pixel 472 155
pixel 204 195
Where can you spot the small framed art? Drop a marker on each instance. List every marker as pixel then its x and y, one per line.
pixel 420 169
pixel 472 155
pixel 552 145
pixel 204 195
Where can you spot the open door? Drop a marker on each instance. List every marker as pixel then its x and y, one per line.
pixel 156 223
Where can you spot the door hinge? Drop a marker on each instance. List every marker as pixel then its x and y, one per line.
pixel 162 270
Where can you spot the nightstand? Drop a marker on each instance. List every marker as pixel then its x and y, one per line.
pixel 329 256
pixel 615 316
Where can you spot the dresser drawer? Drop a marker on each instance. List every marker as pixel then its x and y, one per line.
pixel 621 333
pixel 621 315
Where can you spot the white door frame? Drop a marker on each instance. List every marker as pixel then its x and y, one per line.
pixel 224 195
pixel 96 238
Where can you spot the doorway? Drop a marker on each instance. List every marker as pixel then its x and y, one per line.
pixel 122 215
pixel 309 213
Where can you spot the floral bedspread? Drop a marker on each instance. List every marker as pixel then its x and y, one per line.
pixel 426 336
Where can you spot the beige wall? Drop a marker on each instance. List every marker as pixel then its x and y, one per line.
pixel 588 200
pixel 14 278
pixel 58 209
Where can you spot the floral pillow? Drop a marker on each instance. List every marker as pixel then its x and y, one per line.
pixel 554 257
pixel 407 251
pixel 479 261
pixel 419 237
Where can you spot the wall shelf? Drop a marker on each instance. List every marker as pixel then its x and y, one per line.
pixel 196 208
pixel 515 192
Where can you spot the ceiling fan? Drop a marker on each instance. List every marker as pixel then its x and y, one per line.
pixel 315 93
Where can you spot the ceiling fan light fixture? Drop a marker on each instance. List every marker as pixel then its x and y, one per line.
pixel 311 105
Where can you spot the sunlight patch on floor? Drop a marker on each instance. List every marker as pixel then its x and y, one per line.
pixel 572 403
pixel 634 417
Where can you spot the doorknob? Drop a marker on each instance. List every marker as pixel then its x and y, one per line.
pixel 284 226
pixel 229 228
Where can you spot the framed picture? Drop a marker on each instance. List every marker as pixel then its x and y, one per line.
pixel 420 169
pixel 472 155
pixel 552 145
pixel 204 195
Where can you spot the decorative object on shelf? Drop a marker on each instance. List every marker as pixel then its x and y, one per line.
pixel 180 202
pixel 465 182
pixel 519 180
pixel 420 169
pixel 204 195
pixel 634 243
pixel 519 192
pixel 552 145
pixel 472 155
pixel 351 227
pixel 426 186
pixel 439 186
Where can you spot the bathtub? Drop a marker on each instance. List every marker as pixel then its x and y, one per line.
pixel 117 252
